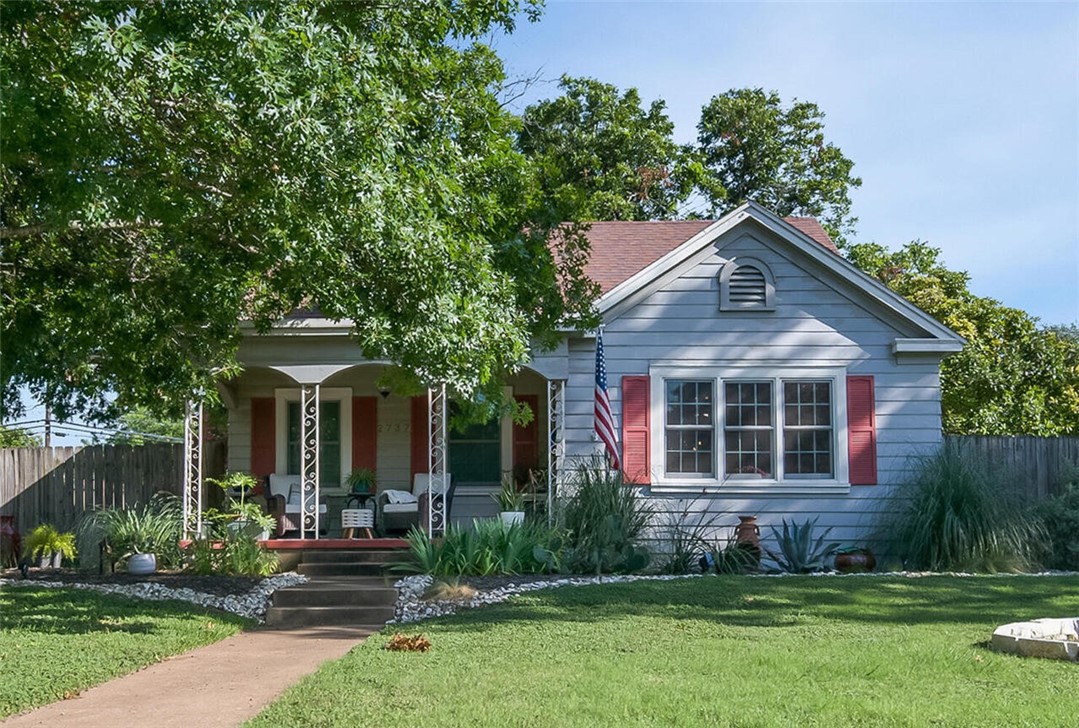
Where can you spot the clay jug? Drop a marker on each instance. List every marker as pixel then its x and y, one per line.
pixel 747 534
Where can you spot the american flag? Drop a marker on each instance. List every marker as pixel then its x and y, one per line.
pixel 604 420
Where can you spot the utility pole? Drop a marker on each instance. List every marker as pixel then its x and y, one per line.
pixel 48 426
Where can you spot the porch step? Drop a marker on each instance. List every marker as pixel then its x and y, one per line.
pixel 344 592
pixel 359 616
pixel 342 568
pixel 380 556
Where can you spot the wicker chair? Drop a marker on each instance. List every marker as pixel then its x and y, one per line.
pixel 393 517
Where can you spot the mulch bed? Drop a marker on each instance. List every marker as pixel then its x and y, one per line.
pixel 221 586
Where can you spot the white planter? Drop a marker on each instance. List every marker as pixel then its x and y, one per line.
pixel 249 528
pixel 141 564
pixel 511 517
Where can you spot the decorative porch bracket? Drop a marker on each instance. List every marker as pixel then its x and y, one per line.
pixel 436 448
pixel 556 441
pixel 309 470
pixel 192 498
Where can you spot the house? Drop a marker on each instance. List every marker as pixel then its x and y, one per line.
pixel 751 369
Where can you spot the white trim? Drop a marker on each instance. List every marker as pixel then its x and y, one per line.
pixel 661 482
pixel 652 275
pixel 284 395
pixel 925 346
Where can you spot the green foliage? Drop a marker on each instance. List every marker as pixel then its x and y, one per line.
pixel 489 547
pixel 508 497
pixel 755 148
pixel 1012 378
pixel 153 527
pixel 140 426
pixel 58 642
pixel 797 552
pixel 239 509
pixel 350 156
pixel 230 552
pixel 684 537
pixel 45 540
pixel 603 154
pixel 603 520
pixel 1059 515
pixel 735 558
pixel 362 480
pixel 14 437
pixel 958 515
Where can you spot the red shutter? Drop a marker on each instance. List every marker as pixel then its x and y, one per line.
pixel 526 437
pixel 636 460
pixel 420 453
pixel 263 440
pixel 364 432
pixel 861 431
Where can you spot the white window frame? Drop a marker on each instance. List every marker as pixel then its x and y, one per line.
pixel 719 481
pixel 282 397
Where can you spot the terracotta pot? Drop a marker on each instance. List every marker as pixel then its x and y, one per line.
pixel 747 534
pixel 855 563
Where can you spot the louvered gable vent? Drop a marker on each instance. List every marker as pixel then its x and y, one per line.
pixel 746 284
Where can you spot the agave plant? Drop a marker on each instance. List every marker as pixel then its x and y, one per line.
pixel 798 552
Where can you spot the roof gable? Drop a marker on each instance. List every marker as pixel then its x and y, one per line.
pixel 798 234
pixel 622 249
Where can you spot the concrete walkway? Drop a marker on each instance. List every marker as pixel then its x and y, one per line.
pixel 216 686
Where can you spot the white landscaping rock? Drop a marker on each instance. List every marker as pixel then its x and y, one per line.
pixel 1053 638
pixel 252 605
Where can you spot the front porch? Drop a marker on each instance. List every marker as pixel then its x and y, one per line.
pixel 317 424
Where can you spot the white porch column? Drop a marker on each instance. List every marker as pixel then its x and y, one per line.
pixel 556 441
pixel 192 495
pixel 436 448
pixel 309 464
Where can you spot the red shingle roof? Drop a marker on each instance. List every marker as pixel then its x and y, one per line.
pixel 621 249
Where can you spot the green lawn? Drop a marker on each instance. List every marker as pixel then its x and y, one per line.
pixel 718 651
pixel 56 642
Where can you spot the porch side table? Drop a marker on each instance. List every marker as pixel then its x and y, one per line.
pixel 357 519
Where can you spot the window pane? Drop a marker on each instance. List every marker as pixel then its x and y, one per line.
pixel 748 430
pixel 807 429
pixel 749 452
pixel 689 430
pixel 475 452
pixel 749 404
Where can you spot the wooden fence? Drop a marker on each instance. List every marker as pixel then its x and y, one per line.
pixel 57 485
pixel 1036 464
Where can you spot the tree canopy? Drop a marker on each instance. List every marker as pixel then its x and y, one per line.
pixel 170 169
pixel 1012 377
pixel 754 147
pixel 603 153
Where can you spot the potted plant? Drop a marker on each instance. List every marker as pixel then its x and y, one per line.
pixel 511 502
pixel 137 533
pixel 854 560
pixel 361 481
pixel 49 546
pixel 241 515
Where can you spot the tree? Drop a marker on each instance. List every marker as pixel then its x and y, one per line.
pixel 1012 377
pixel 754 147
pixel 600 152
pixel 140 426
pixel 172 168
pixel 14 437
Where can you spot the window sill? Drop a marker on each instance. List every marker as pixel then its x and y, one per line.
pixel 748 488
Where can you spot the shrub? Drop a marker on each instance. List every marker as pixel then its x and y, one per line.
pixel 603 521
pixel 229 552
pixel 735 558
pixel 153 527
pixel 46 540
pixel 488 547
pixel 957 515
pixel 684 537
pixel 797 552
pixel 1059 516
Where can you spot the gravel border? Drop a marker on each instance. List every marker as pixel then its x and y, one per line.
pixel 251 604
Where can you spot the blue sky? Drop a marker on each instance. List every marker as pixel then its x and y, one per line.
pixel 962 119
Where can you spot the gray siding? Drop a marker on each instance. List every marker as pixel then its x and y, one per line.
pixel 818 321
